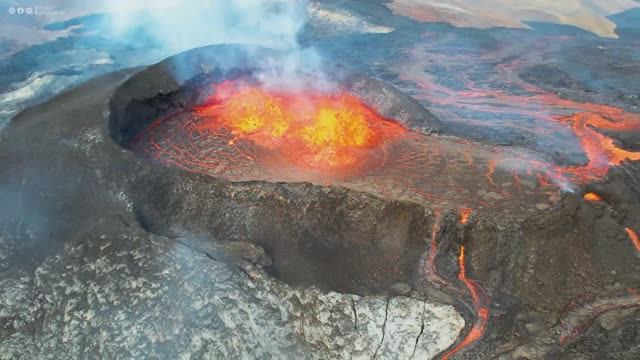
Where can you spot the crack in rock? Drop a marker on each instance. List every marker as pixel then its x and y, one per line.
pixel 384 327
pixel 187 245
pixel 355 314
pixel 415 347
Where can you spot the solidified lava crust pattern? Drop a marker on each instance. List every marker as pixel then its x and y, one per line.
pixel 500 99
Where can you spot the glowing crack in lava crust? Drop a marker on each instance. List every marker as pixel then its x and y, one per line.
pixel 313 131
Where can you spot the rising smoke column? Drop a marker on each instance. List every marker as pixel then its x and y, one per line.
pixel 179 25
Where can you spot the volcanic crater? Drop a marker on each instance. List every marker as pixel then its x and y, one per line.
pixel 224 124
pixel 350 187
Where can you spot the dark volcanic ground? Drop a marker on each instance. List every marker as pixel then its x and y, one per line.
pixel 105 254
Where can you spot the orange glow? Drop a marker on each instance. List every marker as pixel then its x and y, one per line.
pixel 311 129
pixel 338 126
pixel 252 110
pixel 594 125
pixel 601 150
pixel 634 238
pixel 592 197
pixel 461 266
pixel 491 168
pixel 480 303
pixel 465 213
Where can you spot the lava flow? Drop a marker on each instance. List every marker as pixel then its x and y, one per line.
pixel 465 213
pixel 592 197
pixel 633 237
pixel 313 130
pixel 481 305
pixel 601 150
pixel 481 101
pixel 479 298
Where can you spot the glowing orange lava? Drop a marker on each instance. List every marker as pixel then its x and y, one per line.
pixel 311 129
pixel 431 269
pixel 594 125
pixel 601 150
pixel 592 197
pixel 465 213
pixel 480 303
pixel 634 238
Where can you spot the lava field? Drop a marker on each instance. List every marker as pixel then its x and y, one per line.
pixel 323 180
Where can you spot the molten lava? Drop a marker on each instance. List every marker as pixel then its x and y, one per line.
pixel 247 111
pixel 465 213
pixel 592 197
pixel 634 238
pixel 480 303
pixel 479 297
pixel 430 266
pixel 593 125
pixel 311 129
pixel 601 150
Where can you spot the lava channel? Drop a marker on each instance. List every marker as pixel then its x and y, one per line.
pixel 633 236
pixel 481 305
pixel 479 298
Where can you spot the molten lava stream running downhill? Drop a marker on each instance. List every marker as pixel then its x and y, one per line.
pixel 465 213
pixel 480 303
pixel 431 270
pixel 479 298
pixel 633 236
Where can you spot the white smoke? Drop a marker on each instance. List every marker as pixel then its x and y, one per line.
pixel 179 25
pixel 185 24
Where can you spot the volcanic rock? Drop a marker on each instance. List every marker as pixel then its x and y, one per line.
pixel 118 291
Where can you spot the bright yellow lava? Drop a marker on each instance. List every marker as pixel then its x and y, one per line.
pixel 337 127
pixel 319 130
pixel 252 110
